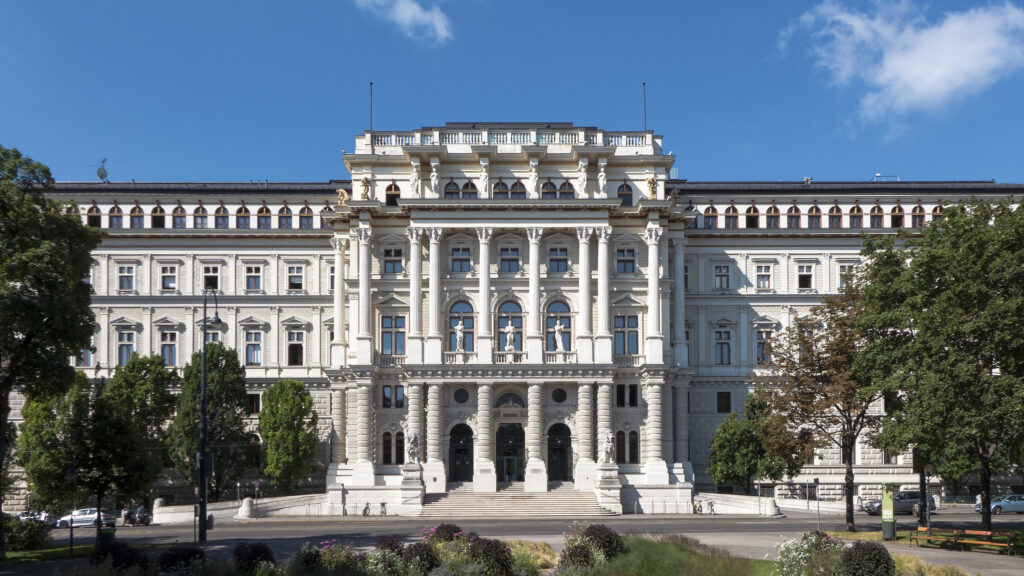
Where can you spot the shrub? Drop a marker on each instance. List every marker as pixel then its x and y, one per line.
pixel 421 558
pixel 532 557
pixel 443 533
pixel 124 557
pixel 494 555
pixel 338 558
pixel 25 535
pixel 183 556
pixel 390 543
pixel 248 554
pixel 815 554
pixel 576 556
pixel 606 539
pixel 868 559
pixel 308 560
pixel 384 562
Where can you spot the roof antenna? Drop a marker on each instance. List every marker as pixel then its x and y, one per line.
pixel 645 106
pixel 371 106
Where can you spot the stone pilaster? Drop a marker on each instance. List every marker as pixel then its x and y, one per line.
pixel 536 470
pixel 485 478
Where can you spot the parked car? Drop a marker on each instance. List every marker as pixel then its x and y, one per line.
pixel 902 503
pixel 86 517
pixel 38 516
pixel 1013 503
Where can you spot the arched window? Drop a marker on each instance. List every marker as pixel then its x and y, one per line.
pixel 558 314
pixel 856 216
pixel 284 217
pixel 242 218
pixel 510 398
pixel 877 216
pixel 385 449
pixel 896 216
pixel 732 216
pixel 137 217
pixel 469 191
pixel 451 190
pixel 634 447
pixel 263 217
pixel 620 447
pixel 392 194
pixel 324 213
pixel 753 217
pixel 772 217
pixel 399 448
pixel 220 217
pixel 518 191
pixel 548 191
pixel 814 216
pixel 835 216
pixel 93 217
pixel 305 217
pixel 178 217
pixel 199 217
pixel 937 212
pixel 793 216
pixel 625 194
pixel 460 313
pixel 509 313
pixel 115 218
pixel 917 216
pixel 500 191
pixel 157 217
pixel 566 191
pixel 711 217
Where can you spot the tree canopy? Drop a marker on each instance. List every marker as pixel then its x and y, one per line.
pixel 288 427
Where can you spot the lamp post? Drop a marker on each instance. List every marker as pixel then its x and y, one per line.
pixel 203 457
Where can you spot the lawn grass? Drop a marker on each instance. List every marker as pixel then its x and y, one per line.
pixel 48 553
pixel 672 555
pixel 874 536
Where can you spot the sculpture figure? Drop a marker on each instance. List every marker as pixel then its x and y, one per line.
pixel 484 181
pixel 434 178
pixel 342 196
pixel 414 448
pixel 365 182
pixel 581 180
pixel 558 329
pixel 414 180
pixel 652 187
pixel 531 181
pixel 510 337
pixel 609 447
pixel 459 335
pixel 602 182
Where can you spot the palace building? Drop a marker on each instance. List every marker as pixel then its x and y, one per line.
pixel 498 304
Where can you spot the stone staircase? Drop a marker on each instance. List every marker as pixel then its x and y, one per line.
pixel 511 500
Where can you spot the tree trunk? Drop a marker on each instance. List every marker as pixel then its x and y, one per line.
pixel 5 412
pixel 922 501
pixel 986 494
pixel 99 524
pixel 849 487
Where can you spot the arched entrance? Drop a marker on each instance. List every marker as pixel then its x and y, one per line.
pixel 511 453
pixel 460 454
pixel 559 453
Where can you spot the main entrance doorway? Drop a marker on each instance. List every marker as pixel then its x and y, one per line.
pixel 460 454
pixel 511 453
pixel 559 453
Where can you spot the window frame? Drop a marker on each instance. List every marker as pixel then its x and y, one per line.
pixel 723 346
pixel 254 347
pixel 169 347
pixel 721 276
pixel 295 277
pixel 392 334
pixel 295 347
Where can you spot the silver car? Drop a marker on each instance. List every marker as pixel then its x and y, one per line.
pixel 85 517
pixel 1013 503
pixel 907 502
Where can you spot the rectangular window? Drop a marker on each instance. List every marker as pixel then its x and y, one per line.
pixel 917 220
pixel 295 348
pixel 814 221
pixel 211 277
pixel 157 220
pixel 896 220
pixel 169 348
pixel 263 221
pixel 772 221
pixel 724 402
pixel 753 220
pixel 305 221
pixel 508 261
pixel 115 222
pixel 252 402
pixel 212 336
pixel 84 358
pixel 845 273
pixel 732 221
pixel 392 260
pixel 625 261
pixel 242 222
pixel 125 347
pixel 620 395
pixel 890 458
pixel 558 260
pixel 126 277
pixel 253 348
pixel 856 221
pixel 722 277
pixel 723 351
pixel 385 396
pixel 876 220
pixel 220 221
pixel 178 221
pixel 284 221
pixel 199 221
pixel 460 260
pixel 392 335
pixel 634 395
pixel 764 277
pixel 835 221
pixel 804 277
pixel 253 277
pixel 627 335
pixel 136 220
pixel 793 221
pixel 168 277
pixel 331 279
pixel 399 396
pixel 295 277
pixel 763 343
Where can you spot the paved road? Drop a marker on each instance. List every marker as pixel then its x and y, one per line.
pixel 749 536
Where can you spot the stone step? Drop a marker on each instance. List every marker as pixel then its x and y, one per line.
pixel 560 501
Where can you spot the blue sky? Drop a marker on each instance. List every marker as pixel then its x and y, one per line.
pixel 262 90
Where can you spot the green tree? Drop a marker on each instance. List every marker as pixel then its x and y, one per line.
pixel 44 304
pixel 813 385
pixel 288 427
pixel 956 327
pixel 227 439
pixel 89 432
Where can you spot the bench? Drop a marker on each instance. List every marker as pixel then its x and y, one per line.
pixel 936 535
pixel 987 538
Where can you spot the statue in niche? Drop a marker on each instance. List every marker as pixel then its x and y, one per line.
pixel 652 188
pixel 414 180
pixel 510 338
pixel 608 448
pixel 459 336
pixel 602 182
pixel 413 449
pixel 434 178
pixel 366 183
pixel 342 196
pixel 558 329
pixel 532 179
pixel 485 179
pixel 581 180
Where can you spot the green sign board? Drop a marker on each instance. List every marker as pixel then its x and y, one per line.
pixel 888 520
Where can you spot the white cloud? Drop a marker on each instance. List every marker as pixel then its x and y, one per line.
pixel 907 63
pixel 412 18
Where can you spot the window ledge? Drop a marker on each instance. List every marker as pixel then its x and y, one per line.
pixel 296 292
pixel 806 291
pixel 255 292
pixel 766 291
pixel 170 292
pixel 127 293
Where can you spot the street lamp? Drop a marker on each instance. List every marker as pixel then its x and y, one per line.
pixel 203 457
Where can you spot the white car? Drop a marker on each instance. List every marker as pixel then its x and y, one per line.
pixel 85 517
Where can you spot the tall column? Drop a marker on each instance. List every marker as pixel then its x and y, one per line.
pixel 484 343
pixel 363 473
pixel 432 350
pixel 534 335
pixel 485 478
pixel 654 465
pixel 668 423
pixel 340 340
pixel 681 433
pixel 364 339
pixel 680 353
pixel 603 341
pixel 351 424
pixel 536 471
pixel 414 348
pixel 434 478
pixel 604 413
pixel 584 343
pixel 414 418
pixel 654 338
pixel 338 451
pixel 585 436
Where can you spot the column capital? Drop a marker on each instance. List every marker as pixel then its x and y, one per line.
pixel 434 234
pixel 603 233
pixel 363 233
pixel 414 234
pixel 534 234
pixel 338 243
pixel 484 234
pixel 653 232
pixel 679 241
pixel 584 233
